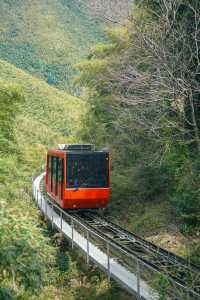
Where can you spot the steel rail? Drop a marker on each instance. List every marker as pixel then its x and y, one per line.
pixel 175 268
pixel 152 247
pixel 133 238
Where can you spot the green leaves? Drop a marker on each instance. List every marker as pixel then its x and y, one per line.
pixel 7 294
pixel 43 117
pixel 90 71
pixel 138 88
pixel 24 252
pixel 10 97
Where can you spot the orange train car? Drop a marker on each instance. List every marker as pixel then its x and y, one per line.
pixel 78 177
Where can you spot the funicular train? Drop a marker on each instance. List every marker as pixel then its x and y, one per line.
pixel 78 177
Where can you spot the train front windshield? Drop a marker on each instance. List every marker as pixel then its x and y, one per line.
pixel 87 170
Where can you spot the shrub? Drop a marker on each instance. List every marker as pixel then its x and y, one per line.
pixel 186 195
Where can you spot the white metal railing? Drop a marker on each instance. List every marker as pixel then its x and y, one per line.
pixel 136 276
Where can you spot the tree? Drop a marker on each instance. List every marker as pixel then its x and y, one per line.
pixel 143 90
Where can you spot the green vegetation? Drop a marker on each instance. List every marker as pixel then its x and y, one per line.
pixel 10 97
pixel 26 256
pixel 56 114
pixel 141 94
pixel 142 91
pixel 32 264
pixel 47 37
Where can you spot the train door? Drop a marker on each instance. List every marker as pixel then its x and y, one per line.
pixel 60 178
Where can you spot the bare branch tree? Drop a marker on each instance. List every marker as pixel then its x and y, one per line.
pixel 172 46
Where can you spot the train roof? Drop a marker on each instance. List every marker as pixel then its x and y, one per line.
pixel 75 148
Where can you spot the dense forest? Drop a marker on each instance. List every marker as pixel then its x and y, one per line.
pixel 143 90
pixel 142 87
pixel 135 69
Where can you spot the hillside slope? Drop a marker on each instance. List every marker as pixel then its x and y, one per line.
pixel 46 37
pixel 110 10
pixel 47 116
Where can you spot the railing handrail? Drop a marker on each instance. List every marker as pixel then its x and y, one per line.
pixel 112 244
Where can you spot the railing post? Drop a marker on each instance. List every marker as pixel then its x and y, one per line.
pixel 72 226
pixel 46 207
pixel 108 260
pixel 88 255
pixel 138 281
pixel 61 219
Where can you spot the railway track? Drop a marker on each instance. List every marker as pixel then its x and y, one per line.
pixel 184 275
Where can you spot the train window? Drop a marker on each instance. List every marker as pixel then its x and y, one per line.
pixel 51 171
pixel 60 170
pixel 54 168
pixel 87 170
pixel 49 163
